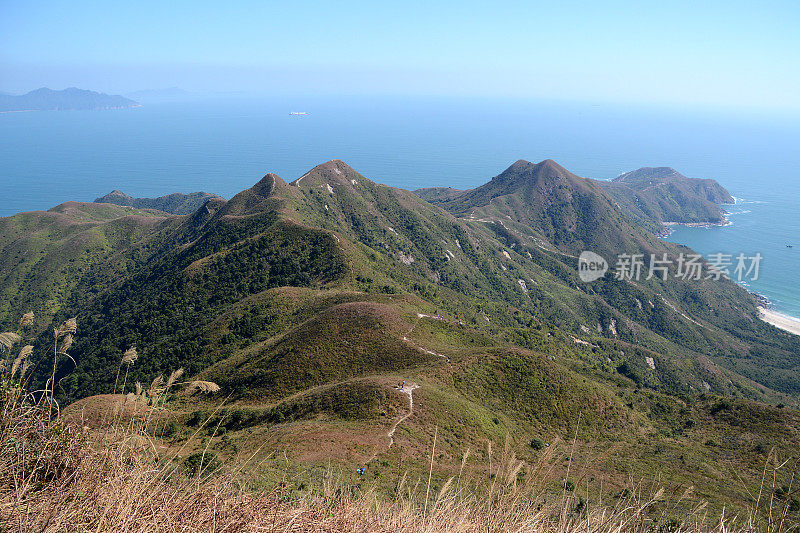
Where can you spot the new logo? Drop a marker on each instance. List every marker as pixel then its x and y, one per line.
pixel 591 266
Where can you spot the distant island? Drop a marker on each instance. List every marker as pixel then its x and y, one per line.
pixel 45 99
pixel 176 203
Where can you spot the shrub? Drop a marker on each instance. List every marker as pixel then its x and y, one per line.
pixel 170 429
pixel 627 370
pixel 196 418
pixel 722 405
pixel 537 443
pixel 203 462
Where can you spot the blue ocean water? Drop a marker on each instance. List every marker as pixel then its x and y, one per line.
pixel 224 145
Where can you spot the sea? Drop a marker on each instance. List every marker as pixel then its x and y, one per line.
pixel 225 143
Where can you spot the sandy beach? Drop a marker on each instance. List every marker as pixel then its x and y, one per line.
pixel 784 322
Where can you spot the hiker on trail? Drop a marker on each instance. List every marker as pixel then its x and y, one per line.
pixel 361 471
pixel 403 386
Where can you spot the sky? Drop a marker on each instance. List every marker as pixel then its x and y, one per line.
pixel 731 53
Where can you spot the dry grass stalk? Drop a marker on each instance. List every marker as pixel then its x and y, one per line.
pixel 202 386
pixel 118 489
pixel 9 339
pixel 26 320
pixel 173 377
pixel 66 344
pixel 69 326
pixel 24 370
pixel 23 355
pixel 130 356
pixel 118 482
pixel 155 386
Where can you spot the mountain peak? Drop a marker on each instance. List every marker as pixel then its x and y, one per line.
pixel 519 164
pixel 655 174
pixel 549 164
pixel 335 163
pixel 266 185
pixel 113 197
pixel 332 172
pixel 524 172
pixel 669 196
pixel 268 194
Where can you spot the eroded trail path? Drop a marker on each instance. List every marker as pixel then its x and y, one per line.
pixel 409 390
pixel 416 346
pixel 424 350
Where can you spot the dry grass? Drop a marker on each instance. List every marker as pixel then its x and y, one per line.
pixel 57 476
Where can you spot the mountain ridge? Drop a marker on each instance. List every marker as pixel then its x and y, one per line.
pixel 329 289
pixel 653 197
pixel 175 203
pixel 563 208
pixel 467 257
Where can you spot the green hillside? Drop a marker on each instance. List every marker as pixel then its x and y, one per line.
pixel 307 301
pixel 564 210
pixel 649 196
pixel 44 255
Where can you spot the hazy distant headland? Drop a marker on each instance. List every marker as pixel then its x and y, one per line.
pixel 175 203
pixel 45 99
pixel 654 197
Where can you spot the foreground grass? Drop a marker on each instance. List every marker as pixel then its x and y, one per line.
pixel 56 475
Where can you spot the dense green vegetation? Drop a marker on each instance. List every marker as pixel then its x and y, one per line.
pixel 356 400
pixel 162 283
pixel 163 303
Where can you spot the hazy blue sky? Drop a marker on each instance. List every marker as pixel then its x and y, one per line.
pixel 699 52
